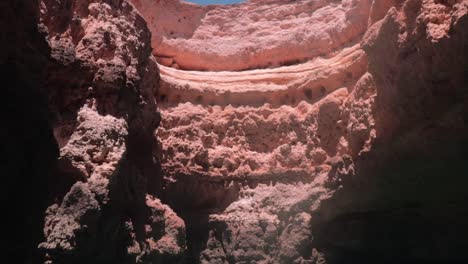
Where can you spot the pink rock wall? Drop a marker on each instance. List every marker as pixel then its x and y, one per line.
pixel 308 128
pixel 285 131
pixel 255 34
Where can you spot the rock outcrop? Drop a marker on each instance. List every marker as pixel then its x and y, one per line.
pixel 319 127
pixel 88 71
pixel 100 85
pixel 408 189
pixel 263 132
pixel 255 34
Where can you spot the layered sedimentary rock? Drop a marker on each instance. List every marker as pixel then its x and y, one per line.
pixel 273 155
pixel 286 131
pixel 255 34
pixel 226 135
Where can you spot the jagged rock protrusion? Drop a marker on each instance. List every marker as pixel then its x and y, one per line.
pixel 338 133
pixel 100 87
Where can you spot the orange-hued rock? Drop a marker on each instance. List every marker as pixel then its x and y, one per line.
pixel 226 136
pixel 254 34
pixel 263 143
pixel 288 85
pixel 271 131
pixel 280 137
pixel 104 138
pixel 257 124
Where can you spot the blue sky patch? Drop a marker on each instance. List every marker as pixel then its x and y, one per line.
pixel 214 2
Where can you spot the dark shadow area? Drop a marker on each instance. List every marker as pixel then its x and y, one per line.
pixel 28 146
pixel 194 200
pixel 409 208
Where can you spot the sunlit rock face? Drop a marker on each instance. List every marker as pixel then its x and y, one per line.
pixel 256 124
pixel 255 34
pixel 227 134
pixel 263 132
pixel 273 111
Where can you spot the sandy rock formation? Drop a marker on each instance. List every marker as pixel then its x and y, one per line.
pixel 286 85
pixel 255 34
pixel 316 126
pixel 268 224
pixel 286 131
pixel 100 85
pixel 226 143
pixel 407 193
pixel 223 132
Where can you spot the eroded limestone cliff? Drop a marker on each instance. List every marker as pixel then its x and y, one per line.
pixel 296 158
pixel 255 34
pixel 306 131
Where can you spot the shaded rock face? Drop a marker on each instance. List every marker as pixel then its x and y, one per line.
pixel 28 143
pixel 342 139
pixel 408 194
pixel 100 85
pixel 83 81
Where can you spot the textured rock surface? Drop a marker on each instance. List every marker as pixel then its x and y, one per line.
pixel 343 140
pixel 255 34
pixel 269 224
pixel 225 143
pixel 223 132
pixel 286 85
pixel 322 126
pixel 100 85
pixel 165 234
pixel 97 144
pixel 408 194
